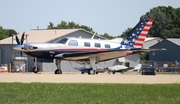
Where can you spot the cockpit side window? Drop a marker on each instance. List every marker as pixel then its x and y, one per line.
pixel 62 41
pixel 73 43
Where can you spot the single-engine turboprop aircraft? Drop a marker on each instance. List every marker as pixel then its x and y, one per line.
pixel 92 50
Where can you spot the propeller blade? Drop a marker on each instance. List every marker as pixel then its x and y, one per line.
pixel 22 38
pixel 17 40
pixel 21 53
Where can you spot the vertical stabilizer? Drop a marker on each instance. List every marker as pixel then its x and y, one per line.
pixel 138 34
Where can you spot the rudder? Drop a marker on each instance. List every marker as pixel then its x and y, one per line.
pixel 138 34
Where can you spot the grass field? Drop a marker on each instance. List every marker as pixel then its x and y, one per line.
pixel 64 93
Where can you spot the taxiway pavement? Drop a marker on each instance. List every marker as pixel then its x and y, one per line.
pixel 85 78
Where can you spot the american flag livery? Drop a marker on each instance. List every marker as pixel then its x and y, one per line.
pixel 138 34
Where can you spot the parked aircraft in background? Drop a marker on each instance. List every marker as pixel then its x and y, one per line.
pixel 117 68
pixel 140 67
pixel 3 68
pixel 92 50
pixel 86 69
pixel 137 68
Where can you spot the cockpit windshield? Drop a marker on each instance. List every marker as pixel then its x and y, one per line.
pixel 62 41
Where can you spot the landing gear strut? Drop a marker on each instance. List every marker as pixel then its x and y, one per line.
pixel 58 64
pixel 92 70
pixel 35 68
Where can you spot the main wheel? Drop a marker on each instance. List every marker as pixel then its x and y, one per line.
pixel 58 71
pixel 91 72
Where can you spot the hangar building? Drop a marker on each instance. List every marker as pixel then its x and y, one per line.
pixel 171 53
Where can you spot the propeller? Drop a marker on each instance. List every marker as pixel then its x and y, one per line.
pixel 17 40
pixel 22 40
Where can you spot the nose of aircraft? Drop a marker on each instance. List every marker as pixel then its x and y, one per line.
pixel 18 47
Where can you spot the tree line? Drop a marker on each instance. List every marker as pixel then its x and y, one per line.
pixel 4 33
pixel 166 25
pixel 167 22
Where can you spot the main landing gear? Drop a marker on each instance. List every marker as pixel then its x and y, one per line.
pixel 92 70
pixel 58 64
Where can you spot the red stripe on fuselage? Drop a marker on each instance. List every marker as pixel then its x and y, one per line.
pixel 82 49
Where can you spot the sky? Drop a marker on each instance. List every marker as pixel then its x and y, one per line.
pixel 103 16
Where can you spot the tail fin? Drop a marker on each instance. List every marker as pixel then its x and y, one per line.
pixel 138 34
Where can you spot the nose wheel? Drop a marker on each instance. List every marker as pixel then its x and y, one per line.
pixel 35 69
pixel 58 70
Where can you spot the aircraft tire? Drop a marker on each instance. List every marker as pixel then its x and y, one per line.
pixel 96 72
pixel 34 69
pixel 113 72
pixel 82 72
pixel 91 72
pixel 58 71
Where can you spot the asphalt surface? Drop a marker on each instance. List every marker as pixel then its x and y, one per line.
pixel 85 78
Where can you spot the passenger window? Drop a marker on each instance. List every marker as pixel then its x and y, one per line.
pixel 107 46
pixel 97 45
pixel 86 44
pixel 73 43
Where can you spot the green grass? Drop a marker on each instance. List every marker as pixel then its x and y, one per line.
pixel 72 93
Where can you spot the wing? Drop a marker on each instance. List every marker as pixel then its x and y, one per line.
pixel 101 55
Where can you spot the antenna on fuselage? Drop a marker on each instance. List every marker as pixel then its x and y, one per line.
pixel 93 35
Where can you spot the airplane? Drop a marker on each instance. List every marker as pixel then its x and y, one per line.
pixel 117 68
pixel 140 67
pixel 86 69
pixel 92 50
pixel 137 68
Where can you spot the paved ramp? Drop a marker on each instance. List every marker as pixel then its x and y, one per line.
pixel 84 78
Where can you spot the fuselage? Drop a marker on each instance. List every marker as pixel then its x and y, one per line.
pixel 67 45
